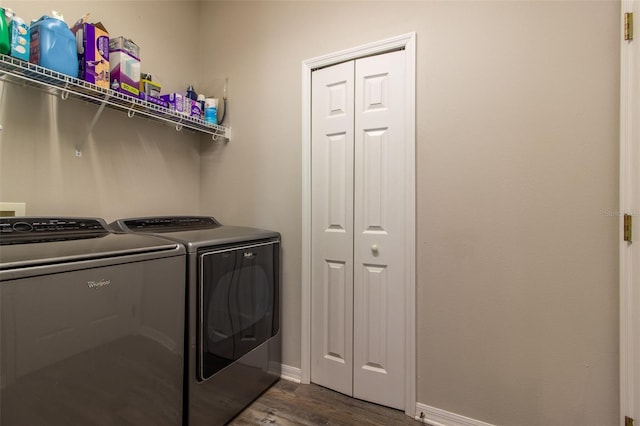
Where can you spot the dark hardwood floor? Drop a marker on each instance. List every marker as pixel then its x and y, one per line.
pixel 288 403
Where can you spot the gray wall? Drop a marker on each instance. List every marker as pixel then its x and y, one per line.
pixel 517 145
pixel 129 167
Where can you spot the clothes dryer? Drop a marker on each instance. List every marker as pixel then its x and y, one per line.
pixel 233 313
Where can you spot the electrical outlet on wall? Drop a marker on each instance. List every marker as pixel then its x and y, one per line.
pixel 12 209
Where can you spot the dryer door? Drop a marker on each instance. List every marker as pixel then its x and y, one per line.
pixel 238 303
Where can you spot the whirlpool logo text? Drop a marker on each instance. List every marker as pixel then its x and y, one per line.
pixel 98 284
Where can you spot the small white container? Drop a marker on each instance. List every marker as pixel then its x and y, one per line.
pixel 201 103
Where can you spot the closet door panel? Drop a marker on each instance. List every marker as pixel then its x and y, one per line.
pixel 332 228
pixel 379 230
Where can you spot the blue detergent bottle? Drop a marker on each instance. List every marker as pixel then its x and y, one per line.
pixel 53 46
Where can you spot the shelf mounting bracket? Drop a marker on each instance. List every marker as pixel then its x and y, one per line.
pixel 226 135
pixel 96 117
pixel 64 95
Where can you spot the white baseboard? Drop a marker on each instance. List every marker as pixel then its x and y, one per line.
pixel 437 417
pixel 292 374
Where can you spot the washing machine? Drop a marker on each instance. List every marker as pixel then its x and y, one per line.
pixel 233 312
pixel 92 325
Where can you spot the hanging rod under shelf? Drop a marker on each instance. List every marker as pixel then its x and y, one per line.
pixel 13 70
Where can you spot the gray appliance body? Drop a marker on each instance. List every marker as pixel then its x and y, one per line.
pixel 92 326
pixel 233 313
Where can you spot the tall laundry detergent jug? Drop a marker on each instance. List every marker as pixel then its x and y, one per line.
pixel 5 42
pixel 53 46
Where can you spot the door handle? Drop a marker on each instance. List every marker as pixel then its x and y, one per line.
pixel 375 249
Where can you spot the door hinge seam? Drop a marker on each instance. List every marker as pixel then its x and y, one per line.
pixel 628 26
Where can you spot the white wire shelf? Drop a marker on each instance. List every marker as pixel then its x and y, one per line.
pixel 13 70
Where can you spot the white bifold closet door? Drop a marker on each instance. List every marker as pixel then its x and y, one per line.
pixel 359 284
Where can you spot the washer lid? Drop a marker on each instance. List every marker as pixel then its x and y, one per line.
pixel 195 232
pixel 36 241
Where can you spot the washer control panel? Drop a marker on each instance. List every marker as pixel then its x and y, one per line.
pixel 169 223
pixel 39 229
